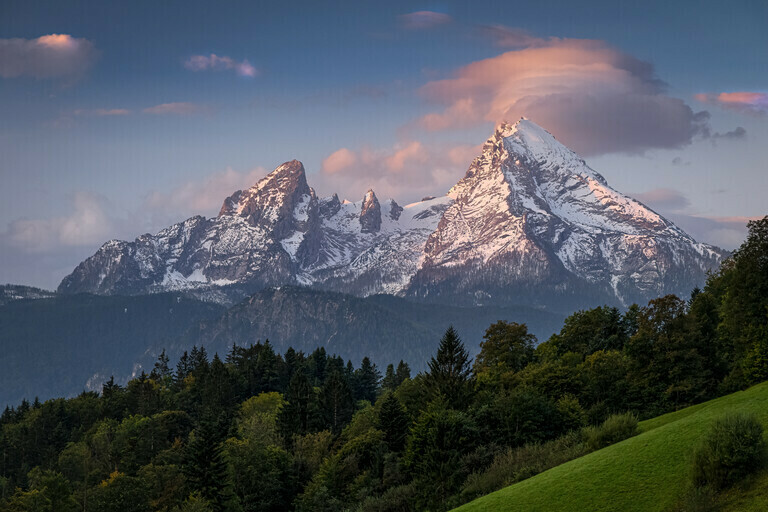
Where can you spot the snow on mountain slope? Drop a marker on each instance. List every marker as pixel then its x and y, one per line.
pixel 529 221
pixel 529 209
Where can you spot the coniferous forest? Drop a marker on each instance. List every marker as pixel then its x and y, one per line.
pixel 254 430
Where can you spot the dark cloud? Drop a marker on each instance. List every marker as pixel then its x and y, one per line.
pixel 737 133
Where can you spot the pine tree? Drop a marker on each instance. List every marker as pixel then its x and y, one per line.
pixel 297 415
pixel 393 421
pixel 390 379
pixel 183 368
pixel 367 381
pixel 337 402
pixel 450 371
pixel 161 369
pixel 403 372
pixel 205 467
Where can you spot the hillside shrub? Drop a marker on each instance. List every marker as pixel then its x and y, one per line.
pixel 615 428
pixel 733 448
pixel 516 464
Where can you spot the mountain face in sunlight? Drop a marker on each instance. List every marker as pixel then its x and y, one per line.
pixel 530 222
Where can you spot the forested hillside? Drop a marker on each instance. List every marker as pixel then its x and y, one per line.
pixel 255 430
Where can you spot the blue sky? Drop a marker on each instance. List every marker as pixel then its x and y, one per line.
pixel 126 122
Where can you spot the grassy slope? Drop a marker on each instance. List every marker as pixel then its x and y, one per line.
pixel 645 473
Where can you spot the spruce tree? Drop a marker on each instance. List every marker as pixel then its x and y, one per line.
pixel 393 421
pixel 450 371
pixel 161 369
pixel 337 402
pixel 298 414
pixel 403 372
pixel 182 368
pixel 205 467
pixel 390 378
pixel 367 381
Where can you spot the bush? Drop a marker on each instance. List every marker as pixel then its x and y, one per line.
pixel 394 499
pixel 732 449
pixel 516 464
pixel 615 428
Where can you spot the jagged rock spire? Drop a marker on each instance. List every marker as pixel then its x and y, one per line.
pixel 370 213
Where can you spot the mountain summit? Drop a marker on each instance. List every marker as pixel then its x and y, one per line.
pixel 530 222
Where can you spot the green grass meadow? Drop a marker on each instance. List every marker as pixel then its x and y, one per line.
pixel 645 473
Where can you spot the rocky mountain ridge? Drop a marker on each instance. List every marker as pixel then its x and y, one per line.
pixel 530 223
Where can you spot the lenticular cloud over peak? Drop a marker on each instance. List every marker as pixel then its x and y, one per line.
pixel 593 97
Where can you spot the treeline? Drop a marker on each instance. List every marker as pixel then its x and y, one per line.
pixel 263 431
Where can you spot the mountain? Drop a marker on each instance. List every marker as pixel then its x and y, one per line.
pixel 13 292
pixel 61 345
pixel 383 327
pixel 530 223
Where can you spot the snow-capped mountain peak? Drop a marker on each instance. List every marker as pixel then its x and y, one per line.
pixel 529 222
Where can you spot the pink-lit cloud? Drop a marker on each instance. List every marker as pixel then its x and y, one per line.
pixel 421 20
pixel 176 108
pixel 103 112
pixel 214 62
pixel 49 56
pixel 406 172
pixel 591 96
pixel 746 102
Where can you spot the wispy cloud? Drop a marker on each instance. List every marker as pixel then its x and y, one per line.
pixel 177 108
pixel 664 199
pixel 88 223
pixel 214 62
pixel 745 102
pixel 510 37
pixel 102 112
pixel 725 232
pixel 50 56
pixel 202 196
pixel 421 20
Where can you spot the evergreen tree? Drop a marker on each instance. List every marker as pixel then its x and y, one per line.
pixel 337 402
pixel 390 379
pixel 161 370
pixel 450 372
pixel 218 389
pixel 183 368
pixel 367 381
pixel 403 372
pixel 198 364
pixel 205 467
pixel 393 421
pixel 318 361
pixel 298 414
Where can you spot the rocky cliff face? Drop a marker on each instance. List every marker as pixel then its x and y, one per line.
pixel 529 223
pixel 531 215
